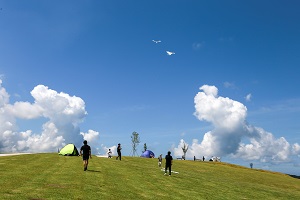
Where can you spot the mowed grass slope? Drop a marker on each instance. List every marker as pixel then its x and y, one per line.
pixel 50 176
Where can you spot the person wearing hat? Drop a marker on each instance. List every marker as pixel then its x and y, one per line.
pixel 119 151
pixel 85 152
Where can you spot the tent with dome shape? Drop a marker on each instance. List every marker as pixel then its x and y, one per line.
pixel 148 154
pixel 69 150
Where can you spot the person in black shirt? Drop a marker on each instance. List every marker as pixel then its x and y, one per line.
pixel 169 160
pixel 85 152
pixel 119 151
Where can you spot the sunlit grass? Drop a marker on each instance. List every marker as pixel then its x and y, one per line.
pixel 50 176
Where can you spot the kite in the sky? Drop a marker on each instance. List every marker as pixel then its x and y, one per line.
pixel 156 41
pixel 170 53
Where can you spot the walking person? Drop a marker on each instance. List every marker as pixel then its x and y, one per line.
pixel 85 152
pixel 160 160
pixel 109 153
pixel 169 161
pixel 119 151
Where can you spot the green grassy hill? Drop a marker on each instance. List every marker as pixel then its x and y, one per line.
pixel 50 176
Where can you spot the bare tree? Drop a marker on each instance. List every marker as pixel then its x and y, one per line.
pixel 135 139
pixel 184 149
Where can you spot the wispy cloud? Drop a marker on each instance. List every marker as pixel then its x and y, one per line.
pixel 135 108
pixel 248 97
pixel 198 45
pixel 229 85
pixel 226 39
pixel 286 106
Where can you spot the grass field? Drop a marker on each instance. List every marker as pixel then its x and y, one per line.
pixel 50 176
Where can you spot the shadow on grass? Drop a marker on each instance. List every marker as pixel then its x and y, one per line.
pixel 91 170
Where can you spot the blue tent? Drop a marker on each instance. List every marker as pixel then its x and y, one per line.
pixel 148 154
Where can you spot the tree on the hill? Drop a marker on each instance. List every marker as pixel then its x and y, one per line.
pixel 135 139
pixel 184 149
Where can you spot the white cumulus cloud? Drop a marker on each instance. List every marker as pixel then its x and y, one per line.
pixel 63 114
pixel 231 134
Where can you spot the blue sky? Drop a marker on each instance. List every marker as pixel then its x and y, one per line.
pixel 89 69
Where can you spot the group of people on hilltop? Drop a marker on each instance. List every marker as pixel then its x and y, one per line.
pixel 109 153
pixel 215 159
pixel 86 154
pixel 168 164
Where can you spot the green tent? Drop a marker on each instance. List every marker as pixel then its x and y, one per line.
pixel 69 150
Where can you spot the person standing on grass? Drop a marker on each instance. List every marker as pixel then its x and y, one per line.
pixel 169 160
pixel 85 152
pixel 109 153
pixel 119 151
pixel 159 160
